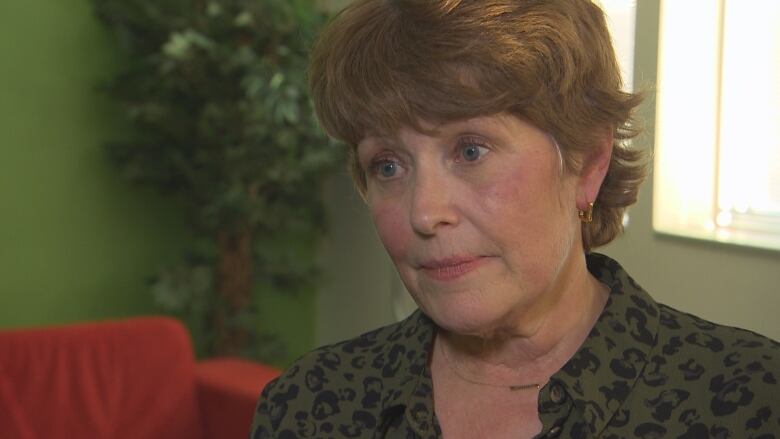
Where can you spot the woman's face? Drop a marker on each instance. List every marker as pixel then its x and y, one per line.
pixel 479 219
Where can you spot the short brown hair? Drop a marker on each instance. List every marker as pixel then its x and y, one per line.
pixel 384 64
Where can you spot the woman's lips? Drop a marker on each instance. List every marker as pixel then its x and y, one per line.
pixel 452 268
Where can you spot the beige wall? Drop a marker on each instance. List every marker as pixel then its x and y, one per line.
pixel 727 284
pixel 356 295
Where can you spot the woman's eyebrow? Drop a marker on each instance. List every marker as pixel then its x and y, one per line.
pixel 475 124
pixel 374 143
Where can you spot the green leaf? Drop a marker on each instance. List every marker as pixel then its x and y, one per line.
pixel 276 81
pixel 221 122
pixel 213 9
pixel 244 19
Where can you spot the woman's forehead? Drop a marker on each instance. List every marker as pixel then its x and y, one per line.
pixel 486 123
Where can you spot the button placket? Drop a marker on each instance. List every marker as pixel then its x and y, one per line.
pixel 554 432
pixel 555 407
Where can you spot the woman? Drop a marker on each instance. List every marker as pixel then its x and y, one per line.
pixel 488 140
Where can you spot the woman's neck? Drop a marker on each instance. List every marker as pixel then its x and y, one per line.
pixel 535 343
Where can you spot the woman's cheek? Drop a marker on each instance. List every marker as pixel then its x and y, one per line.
pixel 392 226
pixel 504 194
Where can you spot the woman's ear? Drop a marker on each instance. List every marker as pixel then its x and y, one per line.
pixel 594 168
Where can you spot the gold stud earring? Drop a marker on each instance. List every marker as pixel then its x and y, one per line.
pixel 586 216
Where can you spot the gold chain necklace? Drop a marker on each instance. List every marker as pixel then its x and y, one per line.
pixel 511 387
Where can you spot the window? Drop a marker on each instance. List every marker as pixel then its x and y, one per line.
pixel 717 152
pixel 621 20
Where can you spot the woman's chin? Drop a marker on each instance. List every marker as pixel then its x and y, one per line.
pixel 468 320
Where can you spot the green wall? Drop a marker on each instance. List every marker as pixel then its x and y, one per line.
pixel 76 241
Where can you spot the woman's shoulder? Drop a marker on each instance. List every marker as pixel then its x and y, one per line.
pixel 681 331
pixel 717 356
pixel 698 347
pixel 723 374
pixel 331 385
pixel 380 351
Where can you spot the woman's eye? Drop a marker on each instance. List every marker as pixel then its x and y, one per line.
pixel 472 152
pixel 388 169
pixel 385 168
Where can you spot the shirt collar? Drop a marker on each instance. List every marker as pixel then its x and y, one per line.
pixel 600 375
pixel 408 391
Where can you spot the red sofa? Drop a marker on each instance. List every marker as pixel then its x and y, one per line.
pixel 127 379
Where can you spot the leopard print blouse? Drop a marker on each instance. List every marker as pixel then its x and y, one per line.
pixel 645 371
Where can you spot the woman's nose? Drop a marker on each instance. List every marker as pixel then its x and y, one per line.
pixel 432 203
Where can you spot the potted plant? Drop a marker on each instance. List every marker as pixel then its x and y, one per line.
pixel 215 92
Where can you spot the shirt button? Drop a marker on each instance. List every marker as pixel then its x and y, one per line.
pixel 557 394
pixel 554 432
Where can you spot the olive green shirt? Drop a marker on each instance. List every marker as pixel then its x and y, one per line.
pixel 645 371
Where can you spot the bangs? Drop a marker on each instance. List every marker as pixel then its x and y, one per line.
pixel 385 68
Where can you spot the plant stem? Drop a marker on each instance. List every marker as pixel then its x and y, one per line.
pixel 234 284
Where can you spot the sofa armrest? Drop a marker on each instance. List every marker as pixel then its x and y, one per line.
pixel 13 422
pixel 228 389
